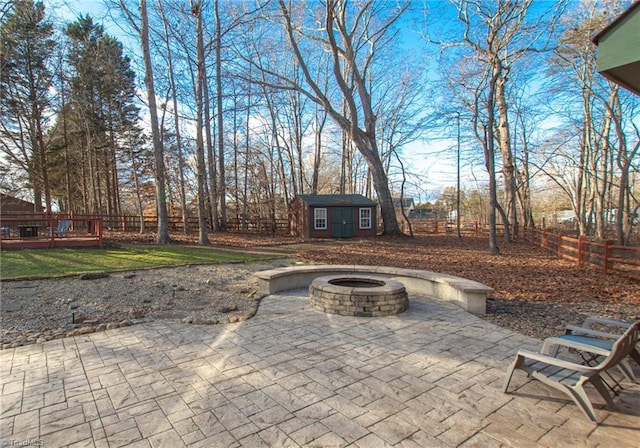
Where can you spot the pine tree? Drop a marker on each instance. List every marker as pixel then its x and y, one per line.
pixel 26 45
pixel 101 110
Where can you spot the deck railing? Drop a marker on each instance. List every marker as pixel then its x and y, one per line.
pixel 38 230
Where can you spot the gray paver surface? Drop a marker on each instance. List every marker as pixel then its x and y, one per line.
pixel 292 376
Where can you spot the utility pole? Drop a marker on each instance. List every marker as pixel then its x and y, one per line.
pixel 458 181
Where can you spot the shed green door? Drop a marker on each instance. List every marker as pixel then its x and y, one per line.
pixel 342 222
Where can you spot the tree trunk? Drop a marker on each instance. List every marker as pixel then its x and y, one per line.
pixel 236 172
pixel 624 219
pixel 110 184
pixel 297 115
pixel 137 185
pixel 320 122
pixel 158 152
pixel 176 120
pixel 276 143
pixel 344 161
pixel 504 144
pixel 523 179
pixel 211 157
pixel 42 155
pixel 222 184
pixel 603 165
pixel 368 148
pixel 245 205
pixel 203 238
pixel 489 155
pixel 65 138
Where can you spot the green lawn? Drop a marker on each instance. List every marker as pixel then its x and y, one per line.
pixel 42 263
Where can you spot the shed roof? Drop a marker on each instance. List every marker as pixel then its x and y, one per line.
pixel 336 200
pixel 619 49
pixel 627 12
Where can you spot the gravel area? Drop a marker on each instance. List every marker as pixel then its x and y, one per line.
pixel 41 310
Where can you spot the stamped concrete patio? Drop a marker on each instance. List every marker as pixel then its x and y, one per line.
pixel 292 376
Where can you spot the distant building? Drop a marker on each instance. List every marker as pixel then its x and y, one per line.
pixel 429 214
pixel 333 216
pixel 10 204
pixel 407 203
pixel 564 216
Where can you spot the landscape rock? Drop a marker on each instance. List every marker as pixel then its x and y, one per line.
pixel 93 275
pixel 229 309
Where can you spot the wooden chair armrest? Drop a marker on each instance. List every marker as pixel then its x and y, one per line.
pixel 549 343
pixel 600 320
pixel 555 361
pixel 574 329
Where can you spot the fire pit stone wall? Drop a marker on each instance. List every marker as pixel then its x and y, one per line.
pixel 373 297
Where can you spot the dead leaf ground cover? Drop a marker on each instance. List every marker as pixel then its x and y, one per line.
pixel 535 293
pixel 521 271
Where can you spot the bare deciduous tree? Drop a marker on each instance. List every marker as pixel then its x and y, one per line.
pixel 203 239
pixel 598 148
pixel 352 37
pixel 176 116
pixel 142 29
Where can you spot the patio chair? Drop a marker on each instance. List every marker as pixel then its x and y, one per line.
pixel 593 326
pixel 597 342
pixel 63 227
pixel 569 377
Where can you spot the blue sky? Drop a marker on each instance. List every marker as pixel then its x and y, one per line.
pixel 434 160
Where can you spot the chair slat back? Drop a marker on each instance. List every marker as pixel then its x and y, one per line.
pixel 622 347
pixel 63 227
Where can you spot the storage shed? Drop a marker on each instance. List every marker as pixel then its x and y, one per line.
pixel 333 216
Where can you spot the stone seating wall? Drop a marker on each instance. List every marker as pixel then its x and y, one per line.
pixel 467 294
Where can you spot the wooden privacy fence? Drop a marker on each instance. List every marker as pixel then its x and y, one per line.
pixel 433 227
pixel 604 256
pixel 131 223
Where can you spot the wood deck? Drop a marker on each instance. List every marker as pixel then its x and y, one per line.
pixel 47 231
pixel 49 243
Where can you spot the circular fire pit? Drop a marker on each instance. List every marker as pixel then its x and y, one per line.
pixel 358 296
